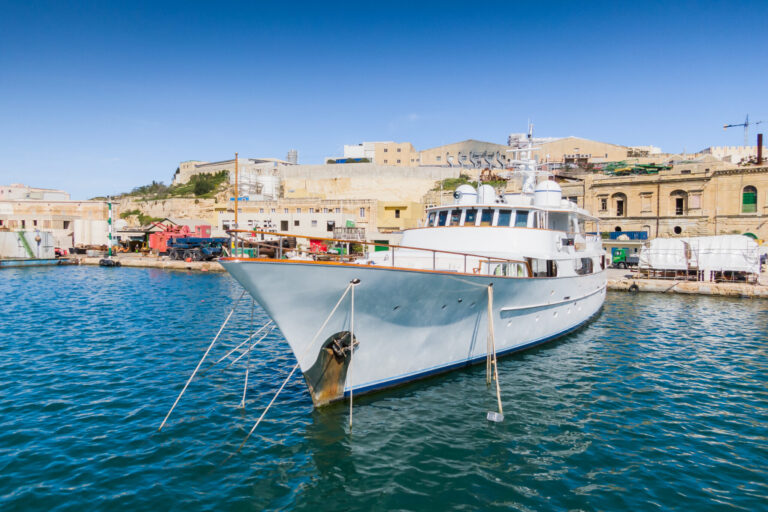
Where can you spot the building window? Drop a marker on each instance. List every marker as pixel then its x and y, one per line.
pixel 749 200
pixel 23 223
pixel 680 201
pixel 34 222
pixel 385 161
pixel 325 210
pixel 337 210
pixel 296 223
pixel 603 204
pixel 285 210
pixel 283 225
pixel 329 225
pixel 298 210
pixel 438 158
pixel 362 213
pixel 385 150
pixel 314 223
pixel 261 210
pixel 397 214
pixel 273 210
pixel 311 210
pixel 398 150
pixel 398 161
pixel 620 203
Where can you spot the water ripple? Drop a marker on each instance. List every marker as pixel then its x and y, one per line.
pixel 661 403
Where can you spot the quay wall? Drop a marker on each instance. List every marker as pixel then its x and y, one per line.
pixel 618 284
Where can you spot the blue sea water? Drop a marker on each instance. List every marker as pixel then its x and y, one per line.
pixel 661 403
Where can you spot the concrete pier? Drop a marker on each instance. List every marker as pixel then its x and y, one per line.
pixel 622 281
pixel 149 262
pixel 618 280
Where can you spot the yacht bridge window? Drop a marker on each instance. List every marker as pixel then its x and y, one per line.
pixel 442 218
pixel 486 219
pixel 504 217
pixel 470 217
pixel 521 219
pixel 455 217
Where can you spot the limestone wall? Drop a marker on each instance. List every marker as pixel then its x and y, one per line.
pixel 362 181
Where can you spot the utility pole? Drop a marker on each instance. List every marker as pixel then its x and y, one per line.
pixel 237 189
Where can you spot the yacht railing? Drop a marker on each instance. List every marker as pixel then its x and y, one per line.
pixel 441 260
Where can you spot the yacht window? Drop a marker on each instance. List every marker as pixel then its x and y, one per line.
pixel 442 218
pixel 521 219
pixel 431 219
pixel 455 217
pixel 470 217
pixel 583 266
pixel 543 268
pixel 487 217
pixel 504 217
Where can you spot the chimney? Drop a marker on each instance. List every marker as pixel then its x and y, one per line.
pixel 759 149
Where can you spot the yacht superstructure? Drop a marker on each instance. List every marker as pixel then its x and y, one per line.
pixel 421 307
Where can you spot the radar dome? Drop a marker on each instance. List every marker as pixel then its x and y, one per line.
pixel 465 194
pixel 547 193
pixel 486 194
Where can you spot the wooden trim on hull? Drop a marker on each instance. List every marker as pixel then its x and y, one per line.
pixel 382 267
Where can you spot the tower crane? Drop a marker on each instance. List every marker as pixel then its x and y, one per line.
pixel 746 125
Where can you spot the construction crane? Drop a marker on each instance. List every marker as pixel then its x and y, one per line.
pixel 745 124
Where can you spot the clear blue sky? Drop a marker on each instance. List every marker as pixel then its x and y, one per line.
pixel 99 97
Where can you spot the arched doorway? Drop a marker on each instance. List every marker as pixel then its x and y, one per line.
pixel 679 202
pixel 619 201
pixel 749 199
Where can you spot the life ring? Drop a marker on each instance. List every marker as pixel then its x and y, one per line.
pixel 634 288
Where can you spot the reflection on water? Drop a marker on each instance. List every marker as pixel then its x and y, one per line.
pixel 660 402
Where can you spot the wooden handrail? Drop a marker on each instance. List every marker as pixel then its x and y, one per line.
pixel 376 244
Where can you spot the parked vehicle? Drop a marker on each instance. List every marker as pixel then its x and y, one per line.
pixel 622 258
pixel 195 249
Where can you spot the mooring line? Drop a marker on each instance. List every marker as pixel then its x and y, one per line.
pixel 248 350
pixel 351 346
pixel 249 338
pixel 201 360
pixel 296 366
pixel 248 363
pixel 492 342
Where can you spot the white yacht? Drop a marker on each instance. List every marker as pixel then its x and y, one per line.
pixel 421 308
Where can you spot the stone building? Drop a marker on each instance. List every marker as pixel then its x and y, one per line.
pixel 691 199
pixel 250 172
pixel 72 223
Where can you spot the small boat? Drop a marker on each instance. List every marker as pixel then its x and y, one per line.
pixel 422 307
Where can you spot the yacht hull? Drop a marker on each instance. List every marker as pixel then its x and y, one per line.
pixel 408 324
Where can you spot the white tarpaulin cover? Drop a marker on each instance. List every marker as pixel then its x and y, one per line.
pixel 736 253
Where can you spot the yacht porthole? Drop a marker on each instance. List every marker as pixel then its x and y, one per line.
pixel 554 314
pixel 472 305
pixel 509 324
pixel 443 306
pixel 461 300
pixel 395 308
pixel 537 318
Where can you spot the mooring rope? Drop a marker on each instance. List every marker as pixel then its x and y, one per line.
pixel 492 343
pixel 248 350
pixel 249 338
pixel 201 360
pixel 309 345
pixel 248 362
pixel 351 347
